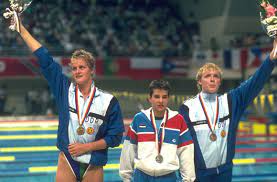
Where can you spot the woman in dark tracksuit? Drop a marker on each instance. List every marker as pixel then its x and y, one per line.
pixel 213 119
pixel 90 119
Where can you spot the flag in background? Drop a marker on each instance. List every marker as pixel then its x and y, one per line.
pixel 118 67
pixel 123 66
pixel 145 68
pixel 110 66
pixel 15 67
pixel 244 58
pixel 256 55
pixel 173 66
pixel 232 58
pixel 200 57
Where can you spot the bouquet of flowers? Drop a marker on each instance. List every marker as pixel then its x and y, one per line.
pixel 16 9
pixel 268 16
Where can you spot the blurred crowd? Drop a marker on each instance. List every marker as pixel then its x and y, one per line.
pixel 251 40
pixel 114 28
pixel 107 28
pixel 133 28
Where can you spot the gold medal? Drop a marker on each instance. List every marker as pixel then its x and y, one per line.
pixel 159 158
pixel 223 133
pixel 213 137
pixel 80 130
pixel 81 118
pixel 90 130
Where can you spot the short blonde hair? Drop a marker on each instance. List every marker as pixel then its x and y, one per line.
pixel 87 56
pixel 204 68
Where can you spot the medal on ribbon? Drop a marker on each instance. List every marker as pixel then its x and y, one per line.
pixel 81 119
pixel 159 158
pixel 159 143
pixel 213 136
pixel 80 130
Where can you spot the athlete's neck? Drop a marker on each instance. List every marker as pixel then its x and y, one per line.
pixel 85 89
pixel 208 96
pixel 159 114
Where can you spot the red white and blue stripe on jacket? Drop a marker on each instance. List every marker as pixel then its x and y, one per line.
pixel 176 132
pixel 139 147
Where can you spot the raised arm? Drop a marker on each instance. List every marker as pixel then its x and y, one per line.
pixel 31 42
pixel 273 53
pixel 16 25
pixel 50 69
pixel 243 95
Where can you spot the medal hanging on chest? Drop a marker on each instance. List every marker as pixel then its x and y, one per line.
pixel 213 136
pixel 81 130
pixel 223 133
pixel 159 143
pixel 159 158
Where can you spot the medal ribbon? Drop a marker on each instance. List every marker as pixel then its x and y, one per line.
pixel 91 96
pixel 152 116
pixel 206 113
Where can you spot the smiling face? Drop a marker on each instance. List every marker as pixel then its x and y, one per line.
pixel 159 101
pixel 81 72
pixel 210 81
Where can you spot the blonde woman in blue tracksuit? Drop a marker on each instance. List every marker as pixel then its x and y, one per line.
pixel 213 119
pixel 90 119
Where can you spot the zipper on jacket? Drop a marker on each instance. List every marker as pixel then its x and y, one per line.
pixel 217 170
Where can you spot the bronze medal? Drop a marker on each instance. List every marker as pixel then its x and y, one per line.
pixel 213 137
pixel 223 133
pixel 159 158
pixel 90 130
pixel 80 130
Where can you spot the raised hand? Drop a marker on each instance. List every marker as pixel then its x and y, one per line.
pixel 13 13
pixel 14 19
pixel 273 54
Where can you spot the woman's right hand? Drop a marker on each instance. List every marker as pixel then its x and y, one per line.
pixel 273 53
pixel 14 19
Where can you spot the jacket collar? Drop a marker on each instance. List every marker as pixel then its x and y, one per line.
pixel 73 86
pixel 171 113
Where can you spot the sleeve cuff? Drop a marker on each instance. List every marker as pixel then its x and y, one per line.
pixel 113 141
pixel 43 56
pixel 40 51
